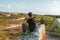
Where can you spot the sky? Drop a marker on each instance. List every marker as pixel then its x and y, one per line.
pixel 42 7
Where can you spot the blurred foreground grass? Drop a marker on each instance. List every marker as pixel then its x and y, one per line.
pixel 10 35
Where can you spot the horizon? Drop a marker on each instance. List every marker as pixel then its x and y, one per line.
pixel 33 13
pixel 41 7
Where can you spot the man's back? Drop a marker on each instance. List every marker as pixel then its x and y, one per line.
pixel 32 24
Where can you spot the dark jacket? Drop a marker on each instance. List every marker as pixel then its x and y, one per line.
pixel 32 24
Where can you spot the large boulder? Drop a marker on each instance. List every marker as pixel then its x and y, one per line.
pixel 38 34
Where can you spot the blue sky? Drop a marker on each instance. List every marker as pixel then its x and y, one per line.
pixel 51 7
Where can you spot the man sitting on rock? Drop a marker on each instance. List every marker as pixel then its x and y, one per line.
pixel 31 22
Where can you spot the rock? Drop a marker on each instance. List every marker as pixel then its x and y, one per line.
pixel 38 34
pixel 31 36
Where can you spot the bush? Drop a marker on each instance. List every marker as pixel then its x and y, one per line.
pixel 57 30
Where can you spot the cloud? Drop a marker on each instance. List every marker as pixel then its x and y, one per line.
pixel 9 6
pixel 54 7
pixel 16 5
pixel 21 6
pixel 5 6
pixel 0 5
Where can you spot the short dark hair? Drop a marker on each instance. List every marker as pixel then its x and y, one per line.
pixel 30 14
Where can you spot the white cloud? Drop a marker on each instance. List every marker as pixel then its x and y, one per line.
pixel 22 6
pixel 9 6
pixel 55 2
pixel 5 6
pixel 54 7
pixel 0 5
pixel 16 5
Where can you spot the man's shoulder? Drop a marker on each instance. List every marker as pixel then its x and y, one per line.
pixel 30 19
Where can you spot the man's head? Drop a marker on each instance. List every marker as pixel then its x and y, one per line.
pixel 30 14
